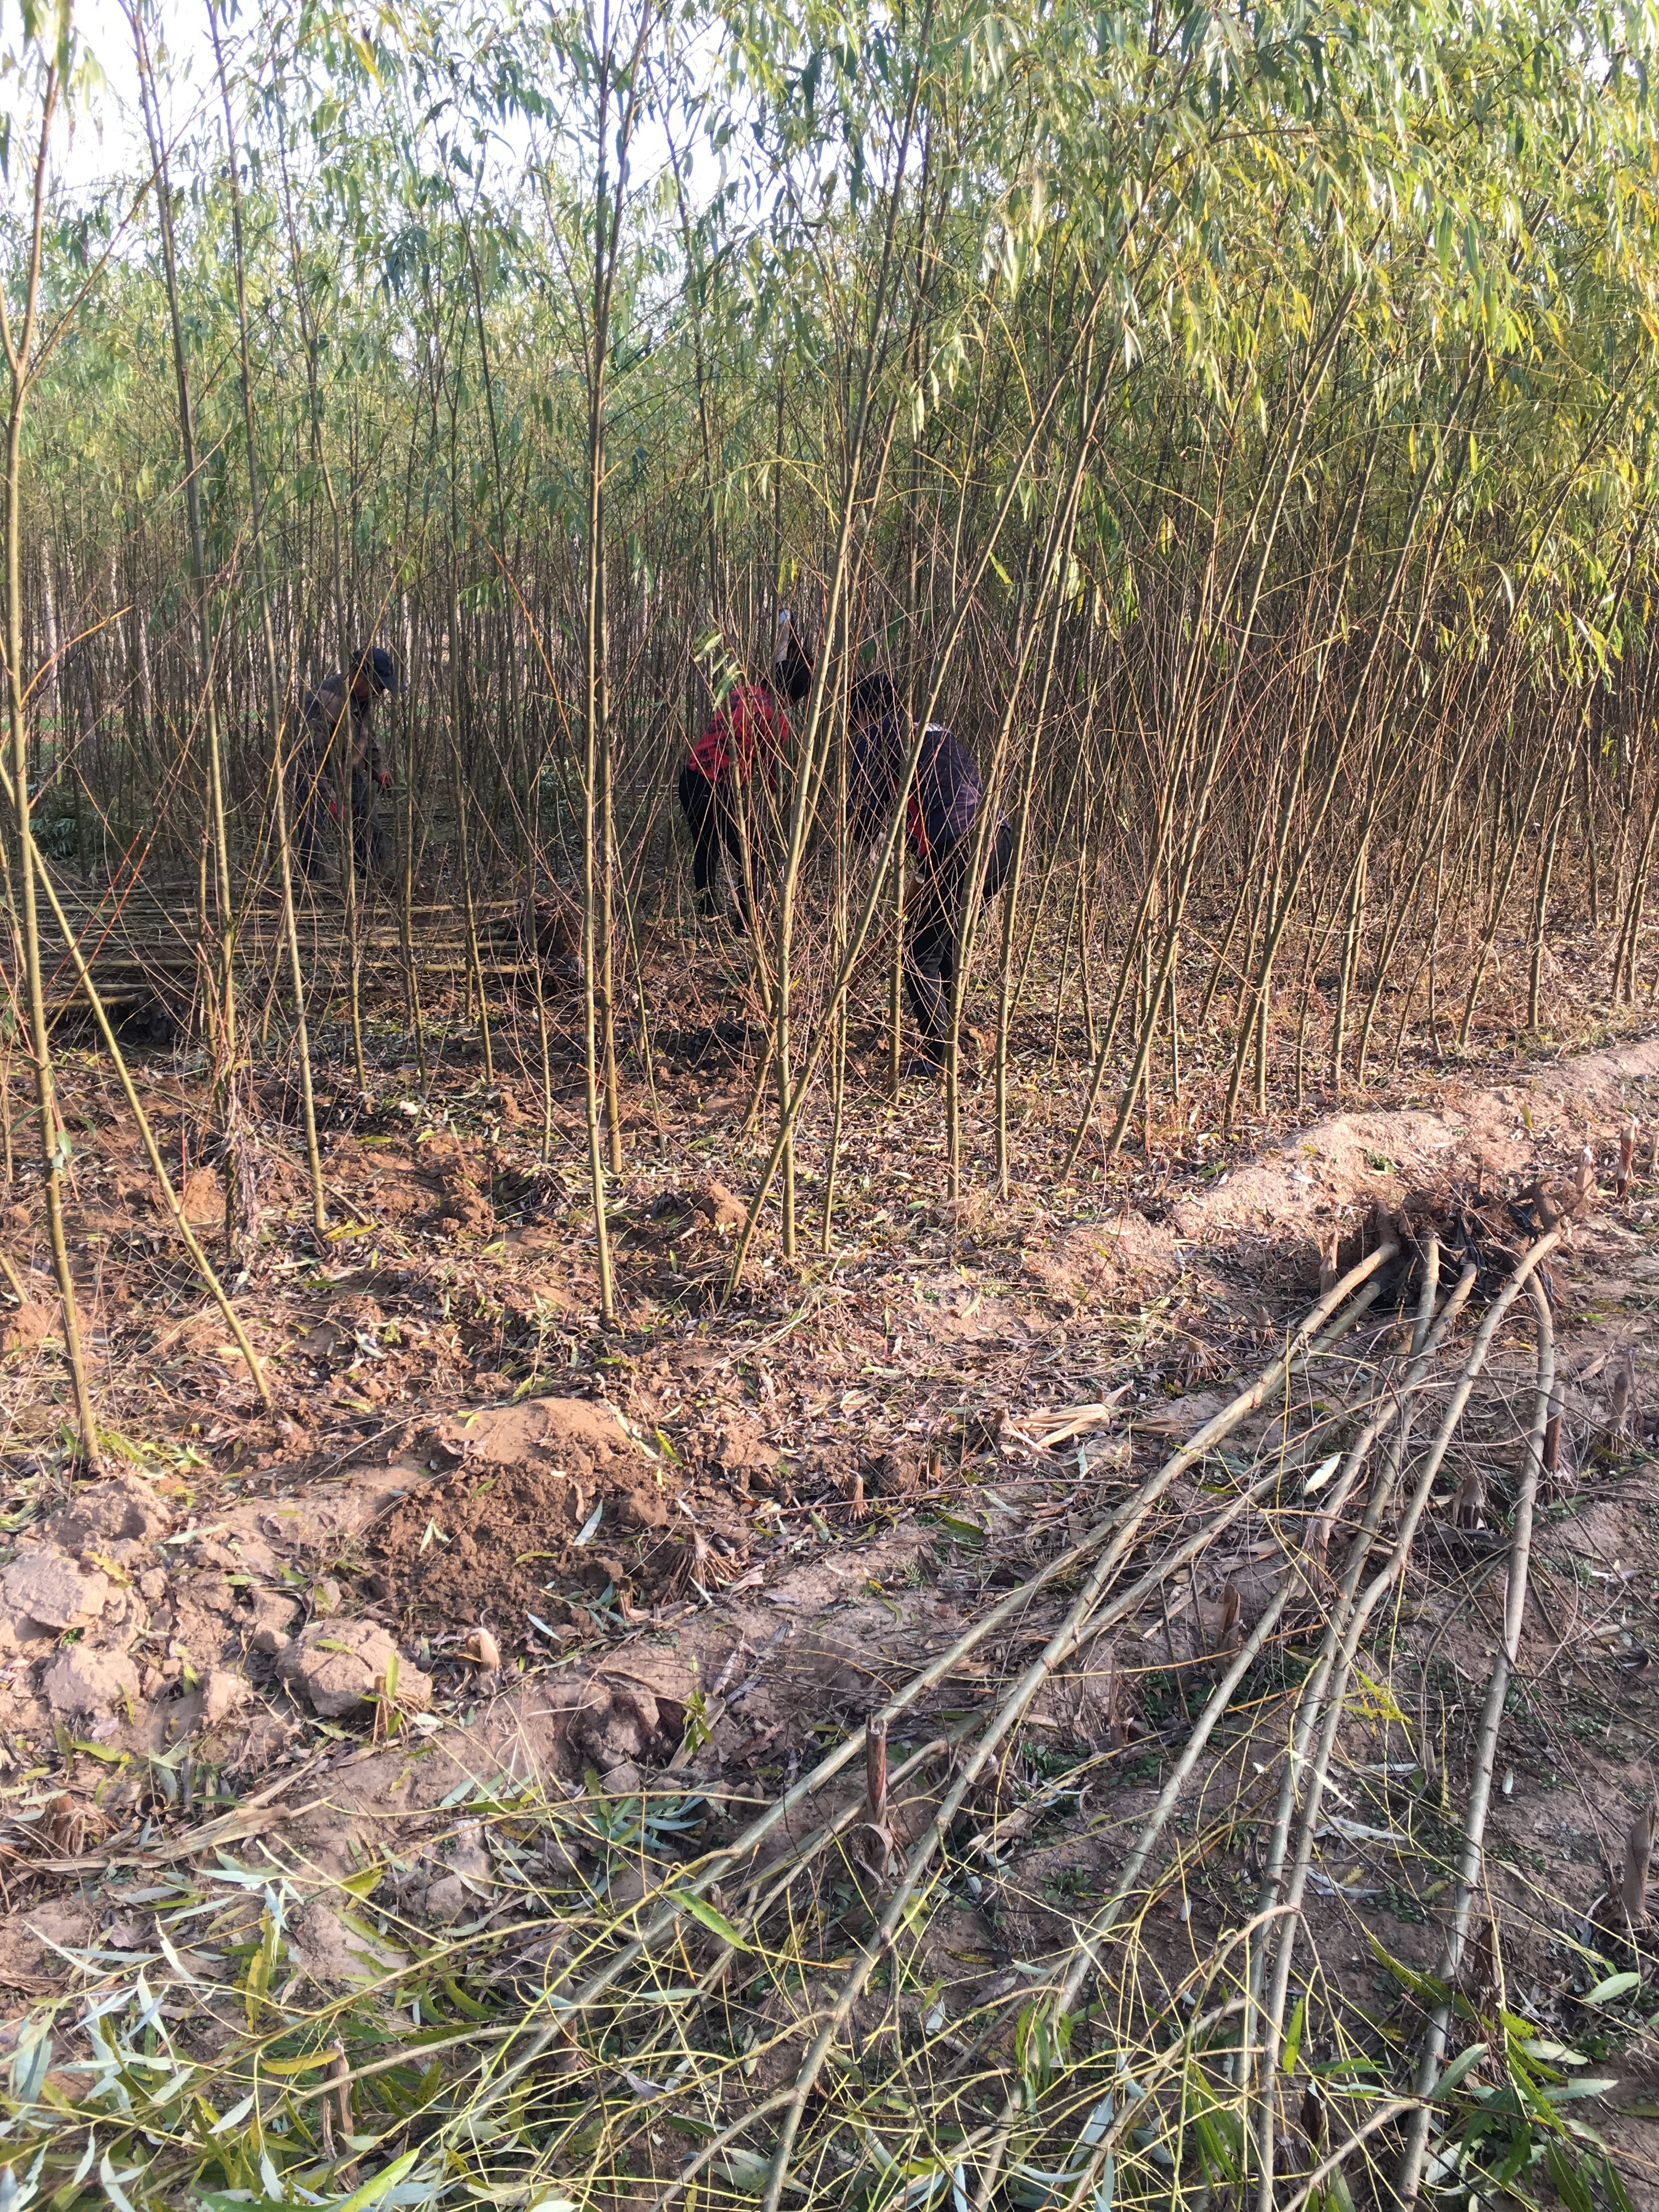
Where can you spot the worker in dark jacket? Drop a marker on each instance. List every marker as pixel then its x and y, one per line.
pixel 336 746
pixel 748 731
pixel 941 811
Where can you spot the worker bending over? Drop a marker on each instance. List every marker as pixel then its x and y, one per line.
pixel 941 809
pixel 749 730
pixel 337 741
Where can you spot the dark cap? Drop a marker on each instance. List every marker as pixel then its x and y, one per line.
pixel 871 698
pixel 792 672
pixel 380 671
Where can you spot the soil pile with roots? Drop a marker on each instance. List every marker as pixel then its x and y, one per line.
pixel 1441 1228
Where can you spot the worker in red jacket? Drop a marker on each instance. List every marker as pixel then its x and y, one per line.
pixel 749 730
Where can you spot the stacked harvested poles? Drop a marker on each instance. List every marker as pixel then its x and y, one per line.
pixel 144 947
pixel 1031 2071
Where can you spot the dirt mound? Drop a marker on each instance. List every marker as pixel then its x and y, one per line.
pixel 553 1505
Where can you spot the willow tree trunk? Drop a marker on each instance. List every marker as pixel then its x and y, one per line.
pixel 218 920
pixel 19 344
pixel 273 679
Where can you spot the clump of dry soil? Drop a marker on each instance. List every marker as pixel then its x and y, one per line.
pixel 551 1500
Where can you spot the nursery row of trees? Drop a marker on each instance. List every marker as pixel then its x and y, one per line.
pixel 1236 424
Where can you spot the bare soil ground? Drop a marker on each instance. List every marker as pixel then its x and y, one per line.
pixel 404 1657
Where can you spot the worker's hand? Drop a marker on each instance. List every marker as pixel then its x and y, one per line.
pixel 383 779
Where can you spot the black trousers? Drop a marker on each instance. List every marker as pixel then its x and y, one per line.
pixel 314 835
pixel 713 821
pixel 933 926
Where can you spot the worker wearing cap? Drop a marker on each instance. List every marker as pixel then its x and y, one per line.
pixel 337 739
